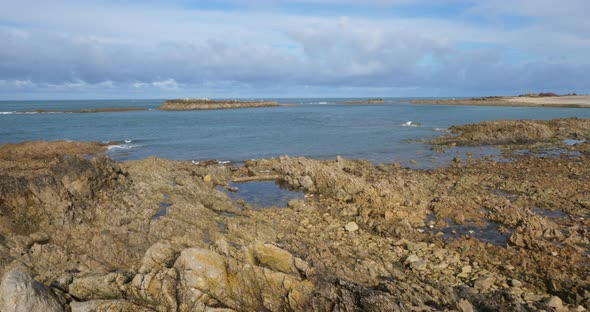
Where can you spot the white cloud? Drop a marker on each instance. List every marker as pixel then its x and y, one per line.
pixel 85 45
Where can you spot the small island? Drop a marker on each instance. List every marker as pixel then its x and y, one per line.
pixel 547 99
pixel 368 101
pixel 206 104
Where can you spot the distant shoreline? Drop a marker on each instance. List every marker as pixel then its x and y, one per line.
pixel 569 101
pixel 368 101
pixel 86 110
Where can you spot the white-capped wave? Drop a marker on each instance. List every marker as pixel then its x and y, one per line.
pixel 7 113
pixel 195 162
pixel 122 147
pixel 128 141
pixel 223 162
pixel 411 124
pixel 441 129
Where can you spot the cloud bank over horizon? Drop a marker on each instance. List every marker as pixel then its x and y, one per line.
pixel 292 48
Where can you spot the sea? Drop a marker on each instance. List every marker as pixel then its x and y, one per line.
pixel 319 128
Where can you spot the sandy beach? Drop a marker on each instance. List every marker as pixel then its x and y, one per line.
pixel 581 101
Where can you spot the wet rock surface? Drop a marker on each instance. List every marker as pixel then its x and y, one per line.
pixel 81 233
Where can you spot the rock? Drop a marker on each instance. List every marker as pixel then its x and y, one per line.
pixel 411 259
pixel 158 256
pixel 421 246
pixel 555 302
pixel 306 182
pixel 466 269
pixel 20 293
pixel 299 205
pixel 200 272
pixel 529 297
pixel 97 286
pixel 156 288
pixel 274 258
pixel 106 306
pixel 484 284
pixel 207 178
pixel 413 161
pixel 464 306
pixel 515 283
pixel 420 265
pixel 351 226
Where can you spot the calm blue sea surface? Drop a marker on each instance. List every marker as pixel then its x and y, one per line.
pixel 317 128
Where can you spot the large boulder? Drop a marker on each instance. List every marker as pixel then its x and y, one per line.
pixel 20 293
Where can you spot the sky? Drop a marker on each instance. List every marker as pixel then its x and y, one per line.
pixel 66 49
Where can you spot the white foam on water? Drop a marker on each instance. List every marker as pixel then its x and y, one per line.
pixel 7 113
pixel 122 146
pixel 410 124
pixel 195 162
pixel 223 162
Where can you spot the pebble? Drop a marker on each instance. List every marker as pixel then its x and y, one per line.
pixel 517 291
pixel 529 297
pixel 555 302
pixel 464 306
pixel 207 178
pixel 412 258
pixel 351 226
pixel 515 283
pixel 420 265
pixel 484 284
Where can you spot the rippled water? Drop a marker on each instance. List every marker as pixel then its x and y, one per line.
pixel 316 128
pixel 262 194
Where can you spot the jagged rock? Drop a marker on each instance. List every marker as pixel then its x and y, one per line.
pixel 274 258
pixel 206 277
pixel 97 286
pixel 158 256
pixel 20 293
pixel 156 288
pixel 202 276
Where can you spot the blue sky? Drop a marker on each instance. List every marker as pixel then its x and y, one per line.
pixel 65 49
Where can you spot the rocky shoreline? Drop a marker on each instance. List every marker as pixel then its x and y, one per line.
pixel 206 104
pixel 519 101
pixel 85 233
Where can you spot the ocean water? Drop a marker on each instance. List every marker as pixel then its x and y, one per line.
pixel 316 128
